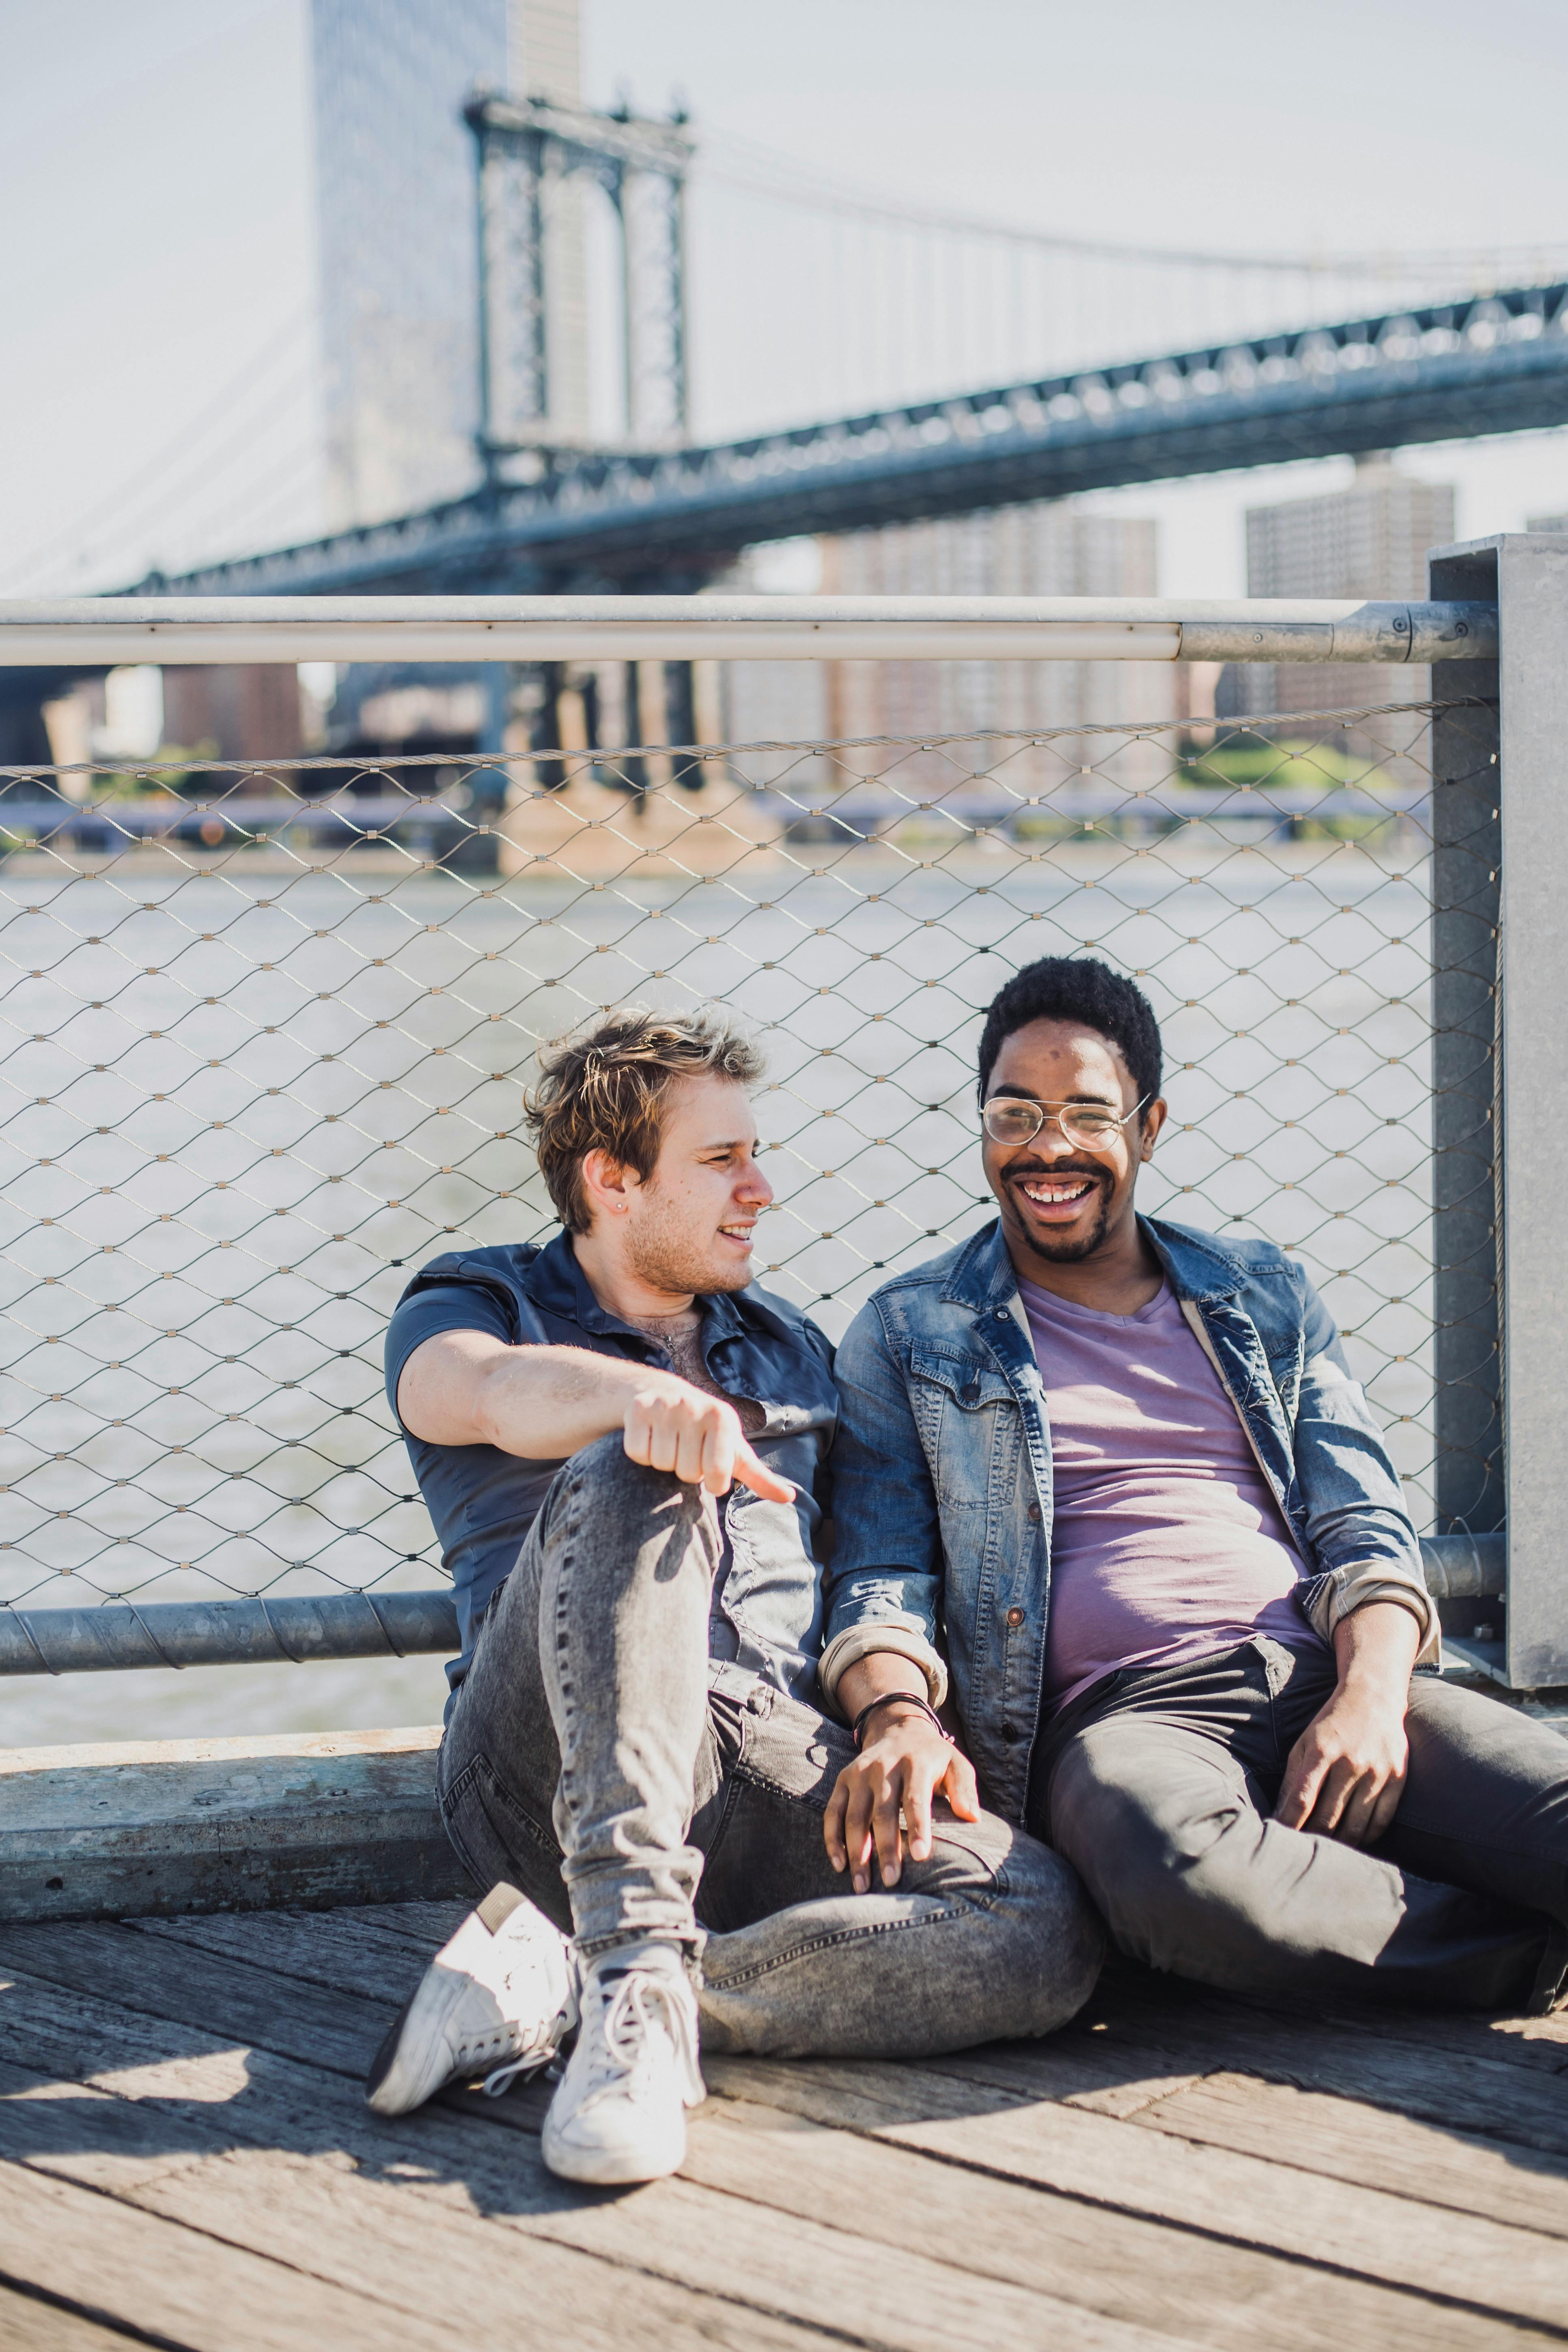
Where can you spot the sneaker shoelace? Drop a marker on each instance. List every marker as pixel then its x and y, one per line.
pixel 623 2020
pixel 535 2054
pixel 501 2079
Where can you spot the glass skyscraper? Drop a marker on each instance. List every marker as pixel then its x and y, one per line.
pixel 396 235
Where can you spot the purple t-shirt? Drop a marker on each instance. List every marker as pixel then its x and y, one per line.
pixel 1168 1543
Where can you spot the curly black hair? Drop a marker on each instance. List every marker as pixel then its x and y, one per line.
pixel 1077 988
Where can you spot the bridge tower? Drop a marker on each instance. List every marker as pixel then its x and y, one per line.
pixel 541 161
pixel 536 159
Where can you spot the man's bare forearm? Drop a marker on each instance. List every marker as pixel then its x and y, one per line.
pixel 468 1388
pixel 546 1402
pixel 1375 1647
pixel 463 1388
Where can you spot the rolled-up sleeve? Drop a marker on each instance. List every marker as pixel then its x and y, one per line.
pixel 1359 1531
pixel 884 1585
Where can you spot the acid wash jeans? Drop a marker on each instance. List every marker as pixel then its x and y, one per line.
pixel 593 1760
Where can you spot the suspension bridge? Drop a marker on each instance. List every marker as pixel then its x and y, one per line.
pixel 673 517
pixel 866 315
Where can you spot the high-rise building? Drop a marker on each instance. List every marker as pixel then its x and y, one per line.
pixel 1051 548
pixel 1370 541
pixel 397 235
pixel 250 710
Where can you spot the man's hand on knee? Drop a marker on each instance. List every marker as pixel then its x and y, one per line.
pixel 1345 1775
pixel 671 1426
pixel 901 1771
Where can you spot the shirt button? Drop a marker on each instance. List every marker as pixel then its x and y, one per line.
pixel 1015 1616
pixel 1034 1510
pixel 1009 1735
pixel 1001 1315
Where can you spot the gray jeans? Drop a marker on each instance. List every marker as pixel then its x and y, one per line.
pixel 593 1760
pixel 1159 1786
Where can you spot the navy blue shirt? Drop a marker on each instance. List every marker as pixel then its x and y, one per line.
pixel 484 1502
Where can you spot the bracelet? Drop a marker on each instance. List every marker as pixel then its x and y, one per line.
pixel 906 1698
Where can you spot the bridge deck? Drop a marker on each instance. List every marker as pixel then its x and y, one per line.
pixel 1486 364
pixel 186 2158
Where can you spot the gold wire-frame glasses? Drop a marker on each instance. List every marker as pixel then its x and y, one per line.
pixel 1012 1120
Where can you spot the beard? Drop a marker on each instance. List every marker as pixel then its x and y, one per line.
pixel 663 1255
pixel 1066 1252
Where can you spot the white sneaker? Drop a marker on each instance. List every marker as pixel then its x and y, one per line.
pixel 619 2112
pixel 498 2000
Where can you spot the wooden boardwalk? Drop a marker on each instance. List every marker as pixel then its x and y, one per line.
pixel 185 2159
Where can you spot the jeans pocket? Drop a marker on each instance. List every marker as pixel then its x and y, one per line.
pixel 454 1805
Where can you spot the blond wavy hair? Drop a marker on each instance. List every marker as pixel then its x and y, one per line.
pixel 603 1089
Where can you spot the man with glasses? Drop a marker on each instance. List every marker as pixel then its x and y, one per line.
pixel 1120 1472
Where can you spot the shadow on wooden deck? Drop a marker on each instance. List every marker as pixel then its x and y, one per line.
pixel 186 2160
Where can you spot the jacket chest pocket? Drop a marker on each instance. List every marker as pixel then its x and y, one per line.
pixel 964 1410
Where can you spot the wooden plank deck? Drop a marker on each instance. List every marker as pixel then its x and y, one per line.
pixel 186 2160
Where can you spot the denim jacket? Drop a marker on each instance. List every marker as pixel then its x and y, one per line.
pixel 941 1469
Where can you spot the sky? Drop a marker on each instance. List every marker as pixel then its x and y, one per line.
pixel 157 283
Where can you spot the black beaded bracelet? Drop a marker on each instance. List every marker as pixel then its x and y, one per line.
pixel 905 1698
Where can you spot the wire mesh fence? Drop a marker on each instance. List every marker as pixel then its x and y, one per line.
pixel 268 1028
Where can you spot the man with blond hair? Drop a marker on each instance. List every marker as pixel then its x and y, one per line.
pixel 623 1444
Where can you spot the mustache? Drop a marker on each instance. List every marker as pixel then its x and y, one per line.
pixel 1056 1173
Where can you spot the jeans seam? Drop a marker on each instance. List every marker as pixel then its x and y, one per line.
pixel 741 1770
pixel 830 1939
pixel 568 1536
pixel 1274 1733
pixel 727 1814
pixel 454 1837
pixel 449 1793
pixel 479 1767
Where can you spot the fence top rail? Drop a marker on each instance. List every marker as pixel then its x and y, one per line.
pixel 96 632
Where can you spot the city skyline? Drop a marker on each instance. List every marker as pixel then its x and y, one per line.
pixel 272 486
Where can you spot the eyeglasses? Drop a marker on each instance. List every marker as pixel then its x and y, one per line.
pixel 1007 1119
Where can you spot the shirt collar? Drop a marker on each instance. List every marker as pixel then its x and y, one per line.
pixel 1197 1265
pixel 561 1287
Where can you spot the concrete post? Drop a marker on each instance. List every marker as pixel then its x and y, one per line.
pixel 1533 597
pixel 1522 860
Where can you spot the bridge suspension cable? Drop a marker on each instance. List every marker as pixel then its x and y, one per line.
pixel 813 294
pixel 765 172
pixel 186 468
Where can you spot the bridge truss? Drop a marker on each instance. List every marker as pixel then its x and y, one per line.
pixel 673 517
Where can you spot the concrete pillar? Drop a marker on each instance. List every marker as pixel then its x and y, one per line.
pixel 1499 986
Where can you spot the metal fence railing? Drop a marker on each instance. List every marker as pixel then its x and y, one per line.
pixel 272 1024
pixel 266 1031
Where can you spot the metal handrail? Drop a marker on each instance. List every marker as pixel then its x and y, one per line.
pixel 120 1637
pixel 98 631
